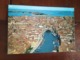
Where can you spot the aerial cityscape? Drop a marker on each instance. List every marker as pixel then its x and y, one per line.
pixel 26 32
pixel 40 33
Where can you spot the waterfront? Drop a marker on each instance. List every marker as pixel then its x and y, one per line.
pixel 26 32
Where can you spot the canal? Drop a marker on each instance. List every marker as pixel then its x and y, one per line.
pixel 50 43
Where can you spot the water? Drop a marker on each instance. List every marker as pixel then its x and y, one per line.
pixel 16 12
pixel 47 44
pixel 52 11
